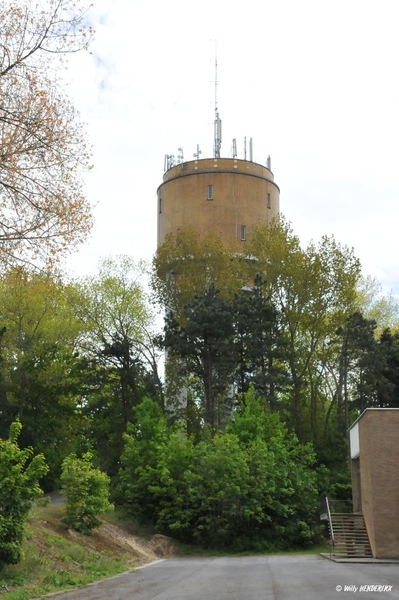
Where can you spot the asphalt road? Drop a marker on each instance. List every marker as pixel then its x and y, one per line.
pixel 293 577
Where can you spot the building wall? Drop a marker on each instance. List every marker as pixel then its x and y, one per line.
pixel 356 486
pixel 243 194
pixel 366 467
pixel 379 479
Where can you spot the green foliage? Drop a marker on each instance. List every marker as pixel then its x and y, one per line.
pixel 295 299
pixel 204 342
pixel 288 302
pixel 20 472
pixel 87 493
pixel 186 264
pixel 283 474
pixel 292 327
pixel 120 357
pixel 250 486
pixel 118 325
pixel 40 373
pixel 314 291
pixel 147 436
pixel 377 382
pixel 54 561
pixel 259 347
pixel 377 306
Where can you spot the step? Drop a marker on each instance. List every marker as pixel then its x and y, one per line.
pixel 350 535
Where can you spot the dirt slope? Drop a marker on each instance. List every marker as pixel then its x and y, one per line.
pixel 116 540
pixel 112 538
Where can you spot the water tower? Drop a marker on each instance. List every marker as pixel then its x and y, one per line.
pixel 225 195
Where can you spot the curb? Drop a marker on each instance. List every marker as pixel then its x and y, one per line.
pixel 93 583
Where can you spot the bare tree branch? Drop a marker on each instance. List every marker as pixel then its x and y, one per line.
pixel 43 148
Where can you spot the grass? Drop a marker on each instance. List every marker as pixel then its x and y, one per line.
pixel 189 550
pixel 55 558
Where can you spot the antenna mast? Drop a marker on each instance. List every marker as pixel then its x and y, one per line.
pixel 218 123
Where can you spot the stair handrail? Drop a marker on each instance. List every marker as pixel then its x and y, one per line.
pixel 330 525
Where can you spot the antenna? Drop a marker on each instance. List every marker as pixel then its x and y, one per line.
pixel 169 161
pixel 234 148
pixel 251 154
pixel 218 123
pixel 197 154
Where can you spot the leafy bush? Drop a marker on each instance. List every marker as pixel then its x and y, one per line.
pixel 251 486
pixel 87 493
pixel 20 472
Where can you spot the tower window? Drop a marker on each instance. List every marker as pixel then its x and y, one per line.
pixel 243 232
pixel 269 205
pixel 210 192
pixel 160 205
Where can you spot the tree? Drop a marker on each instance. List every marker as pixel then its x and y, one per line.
pixel 40 371
pixel 20 472
pixel 314 291
pixel 357 346
pixel 138 472
pixel 250 486
pixel 283 324
pixel 204 343
pixel 376 305
pixel 285 327
pixel 119 325
pixel 283 476
pixel 259 347
pixel 43 151
pixel 117 345
pixel 186 264
pixel 377 383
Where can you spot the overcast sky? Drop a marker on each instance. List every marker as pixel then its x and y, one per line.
pixel 315 83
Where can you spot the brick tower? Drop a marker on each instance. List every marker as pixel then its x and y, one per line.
pixel 225 195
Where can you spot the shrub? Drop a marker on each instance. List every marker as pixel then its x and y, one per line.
pixel 20 472
pixel 250 486
pixel 87 493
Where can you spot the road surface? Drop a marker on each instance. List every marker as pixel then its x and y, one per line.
pixel 288 577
